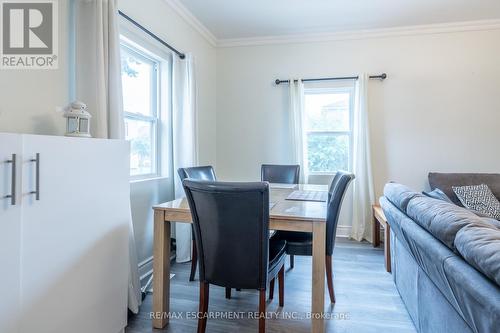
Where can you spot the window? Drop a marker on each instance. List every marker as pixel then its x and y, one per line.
pixel 328 129
pixel 140 82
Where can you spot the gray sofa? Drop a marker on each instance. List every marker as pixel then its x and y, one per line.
pixel 445 260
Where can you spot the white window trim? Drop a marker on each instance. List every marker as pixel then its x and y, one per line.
pixel 131 36
pixel 154 118
pixel 337 89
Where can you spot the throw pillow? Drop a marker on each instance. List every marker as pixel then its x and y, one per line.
pixel 483 215
pixel 478 198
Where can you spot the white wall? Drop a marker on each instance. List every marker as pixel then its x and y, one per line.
pixel 439 109
pixel 28 98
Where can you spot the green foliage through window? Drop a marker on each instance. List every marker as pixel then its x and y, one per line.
pixel 328 129
pixel 127 64
pixel 327 152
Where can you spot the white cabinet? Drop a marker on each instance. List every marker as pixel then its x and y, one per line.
pixel 10 233
pixel 69 249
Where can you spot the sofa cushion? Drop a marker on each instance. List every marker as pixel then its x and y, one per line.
pixel 442 219
pixel 478 198
pixel 445 181
pixel 437 194
pixel 400 195
pixel 480 247
pixel 493 222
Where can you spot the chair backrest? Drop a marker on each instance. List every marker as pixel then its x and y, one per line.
pixel 231 225
pixel 199 173
pixel 336 193
pixel 284 174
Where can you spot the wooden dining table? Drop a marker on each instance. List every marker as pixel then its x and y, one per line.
pixel 290 215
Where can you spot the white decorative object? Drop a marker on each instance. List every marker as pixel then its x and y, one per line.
pixel 77 120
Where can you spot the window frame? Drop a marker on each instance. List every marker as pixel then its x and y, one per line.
pixel 155 119
pixel 351 90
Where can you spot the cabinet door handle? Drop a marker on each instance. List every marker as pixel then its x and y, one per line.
pixel 36 192
pixel 13 186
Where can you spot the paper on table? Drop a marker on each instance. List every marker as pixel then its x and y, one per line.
pixel 321 196
pixel 278 185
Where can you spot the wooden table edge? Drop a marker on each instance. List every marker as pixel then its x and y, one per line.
pixel 271 217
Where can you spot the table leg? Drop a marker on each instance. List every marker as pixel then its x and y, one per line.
pixel 375 231
pixel 387 247
pixel 161 270
pixel 318 277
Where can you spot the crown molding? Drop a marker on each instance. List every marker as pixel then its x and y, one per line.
pixel 190 19
pixel 428 29
pixel 363 34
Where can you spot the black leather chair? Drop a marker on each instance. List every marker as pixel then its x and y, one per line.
pixel 300 243
pixel 234 255
pixel 284 174
pixel 200 173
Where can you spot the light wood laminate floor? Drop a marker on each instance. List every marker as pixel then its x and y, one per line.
pixel 367 299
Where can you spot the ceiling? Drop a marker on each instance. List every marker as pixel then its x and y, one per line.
pixel 234 19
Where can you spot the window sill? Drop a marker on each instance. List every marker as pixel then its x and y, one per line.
pixel 146 179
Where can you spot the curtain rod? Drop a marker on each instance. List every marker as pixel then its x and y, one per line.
pixel 382 76
pixel 128 18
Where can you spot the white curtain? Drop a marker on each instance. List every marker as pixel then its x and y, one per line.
pixel 363 194
pixel 296 113
pixel 98 84
pixel 184 139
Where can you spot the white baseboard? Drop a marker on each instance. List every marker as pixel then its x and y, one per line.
pixel 344 231
pixel 145 270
